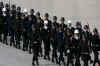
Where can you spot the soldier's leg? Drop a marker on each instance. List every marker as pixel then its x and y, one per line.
pixel 12 39
pixel 70 59
pixel 61 58
pixel 77 63
pixel 37 54
pixel 5 38
pixel 85 59
pixel 45 48
pixel 30 47
pixel 24 41
pixel 96 58
pixel 48 49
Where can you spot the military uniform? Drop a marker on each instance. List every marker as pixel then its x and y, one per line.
pixel 11 28
pixel 18 31
pixel 46 39
pixel 96 47
pixel 27 33
pixel 85 47
pixel 36 43
pixel 54 31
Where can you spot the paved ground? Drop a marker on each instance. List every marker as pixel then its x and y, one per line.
pixel 10 56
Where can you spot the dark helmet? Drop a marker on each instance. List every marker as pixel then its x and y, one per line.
pixel 54 17
pixel 19 8
pixel 86 27
pixel 78 23
pixel 7 5
pixel 62 19
pixel 46 15
pixel 32 11
pixel 13 6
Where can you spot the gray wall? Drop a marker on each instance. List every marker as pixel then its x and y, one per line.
pixel 84 10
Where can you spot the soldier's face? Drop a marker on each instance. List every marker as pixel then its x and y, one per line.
pixel 46 17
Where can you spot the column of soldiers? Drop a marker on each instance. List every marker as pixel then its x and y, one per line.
pixel 29 32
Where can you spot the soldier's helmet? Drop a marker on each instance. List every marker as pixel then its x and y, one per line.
pixel 76 31
pixel 32 11
pixel 4 9
pixel 86 27
pixel 46 15
pixel 7 5
pixel 78 24
pixel 69 22
pixel 54 17
pixel 18 8
pixel 13 6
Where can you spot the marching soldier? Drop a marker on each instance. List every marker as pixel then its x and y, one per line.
pixel 36 43
pixel 18 30
pixel 27 33
pixel 55 27
pixel 69 47
pixel 96 46
pixel 40 29
pixel 4 25
pixel 46 36
pixel 11 27
pixel 86 45
pixel 60 46
pixel 76 46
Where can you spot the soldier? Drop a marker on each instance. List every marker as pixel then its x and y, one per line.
pixel 40 29
pixel 96 46
pixel 55 27
pixel 76 46
pixel 86 45
pixel 4 25
pixel 60 46
pixel 36 42
pixel 11 27
pixel 46 36
pixel 28 30
pixel 18 30
pixel 69 47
